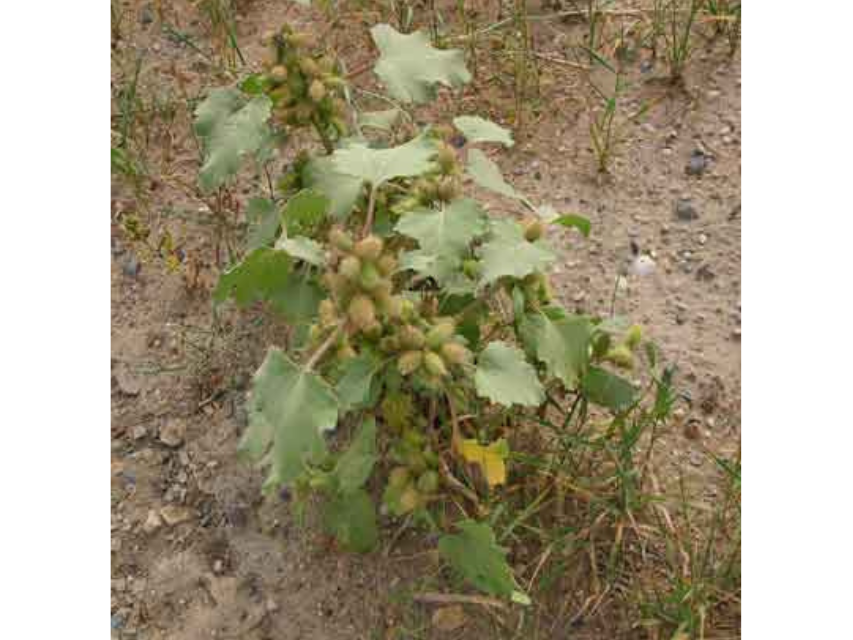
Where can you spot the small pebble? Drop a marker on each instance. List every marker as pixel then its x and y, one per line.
pixel 685 211
pixel 697 163
pixel 152 523
pixel 172 433
pixel 173 515
pixel 130 267
pixel 702 239
pixel 138 432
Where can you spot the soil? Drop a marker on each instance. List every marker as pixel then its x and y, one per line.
pixel 196 552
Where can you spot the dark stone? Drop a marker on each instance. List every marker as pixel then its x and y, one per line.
pixel 685 211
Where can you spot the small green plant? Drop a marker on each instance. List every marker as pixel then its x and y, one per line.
pixel 425 335
pixel 220 14
pixel 674 20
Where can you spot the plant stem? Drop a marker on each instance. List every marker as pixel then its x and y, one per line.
pixel 323 348
pixel 371 206
pixel 324 137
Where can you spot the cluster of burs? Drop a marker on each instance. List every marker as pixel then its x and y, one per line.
pixel 306 88
pixel 364 303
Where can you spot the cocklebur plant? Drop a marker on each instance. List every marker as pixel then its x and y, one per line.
pixel 424 329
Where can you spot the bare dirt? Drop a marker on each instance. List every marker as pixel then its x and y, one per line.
pixel 196 553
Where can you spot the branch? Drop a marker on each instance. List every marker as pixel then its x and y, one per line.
pixel 323 348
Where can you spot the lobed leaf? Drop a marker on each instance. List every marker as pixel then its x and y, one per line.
pixel 607 389
pixel 474 553
pixel 289 409
pixel 410 67
pixel 356 464
pixel 267 275
pixel 353 388
pixel 376 166
pixel 303 248
pixel 229 128
pixel 504 376
pixel 304 211
pixel 487 174
pixel 559 341
pixel 447 231
pixel 478 129
pixel 342 191
pixel 507 253
pixel 351 519
pixel 264 222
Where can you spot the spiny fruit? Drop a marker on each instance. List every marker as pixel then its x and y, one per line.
pixel 350 268
pixel 434 364
pixel 446 158
pixel 398 477
pixel 362 312
pixel 317 91
pixel 386 264
pixel 447 189
pixel 369 248
pixel 634 336
pixel 428 482
pixel 621 356
pixel 411 337
pixel 410 362
pixel 369 278
pixel 340 239
pixel 533 230
pixel 397 410
pixel 439 334
pixel 309 67
pixel 454 353
pixel 410 500
pixel 278 73
pixel 471 268
pixel 345 352
pixel 327 313
pixel 391 306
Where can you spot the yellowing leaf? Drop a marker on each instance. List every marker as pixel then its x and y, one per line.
pixel 491 458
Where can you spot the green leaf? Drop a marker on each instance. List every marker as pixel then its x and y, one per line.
pixel 303 248
pixel 478 129
pixel 487 174
pixel 559 341
pixel 411 68
pixel 264 222
pixel 505 377
pixel 384 120
pixel 289 409
pixel 353 389
pixel 259 276
pixel 578 222
pixel 608 390
pixel 356 463
pixel 351 519
pixel 229 129
pixel 304 211
pixel 447 231
pixel 441 268
pixel 507 253
pixel 299 299
pixel 475 554
pixel 267 275
pixel 377 166
pixel 255 84
pixel 342 191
